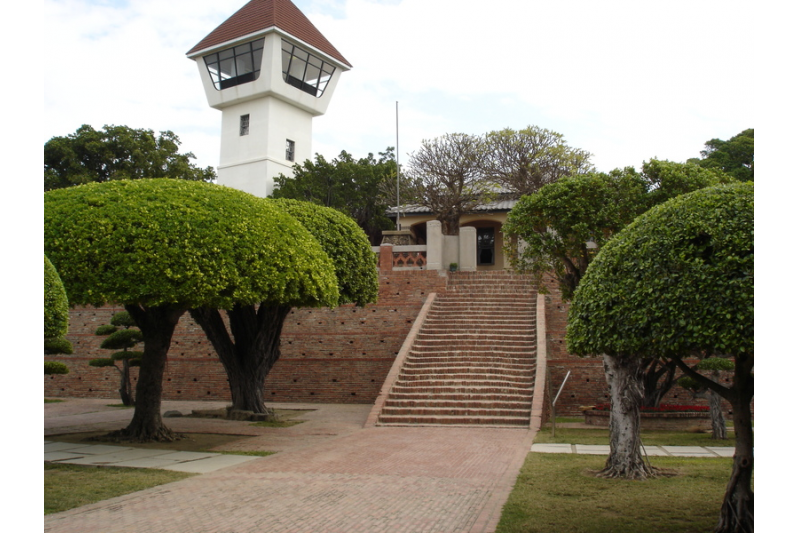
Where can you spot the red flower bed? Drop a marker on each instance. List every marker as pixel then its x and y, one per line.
pixel 661 408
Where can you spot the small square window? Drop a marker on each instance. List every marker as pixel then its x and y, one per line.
pixel 244 125
pixel 289 150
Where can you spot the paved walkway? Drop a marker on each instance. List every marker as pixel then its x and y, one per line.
pixel 331 475
pixel 653 451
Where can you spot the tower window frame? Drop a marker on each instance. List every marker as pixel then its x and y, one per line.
pixel 236 65
pixel 244 125
pixel 304 70
pixel 289 150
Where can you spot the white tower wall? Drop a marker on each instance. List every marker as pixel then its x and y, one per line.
pixel 277 112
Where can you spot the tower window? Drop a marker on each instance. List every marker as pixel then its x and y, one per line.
pixel 289 150
pixel 305 71
pixel 244 125
pixel 237 65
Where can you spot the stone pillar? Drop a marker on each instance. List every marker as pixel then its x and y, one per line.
pixel 468 249
pixel 434 243
pixel 449 250
pixel 386 258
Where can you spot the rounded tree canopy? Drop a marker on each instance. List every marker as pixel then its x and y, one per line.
pixel 158 242
pixel 677 281
pixel 56 306
pixel 345 243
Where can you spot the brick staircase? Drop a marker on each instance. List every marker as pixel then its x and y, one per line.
pixel 474 360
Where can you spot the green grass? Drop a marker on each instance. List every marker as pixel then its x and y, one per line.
pixel 649 438
pixel 121 405
pixel 559 493
pixel 70 486
pixel 48 400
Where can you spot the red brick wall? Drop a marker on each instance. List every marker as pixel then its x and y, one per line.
pixel 340 355
pixel 327 355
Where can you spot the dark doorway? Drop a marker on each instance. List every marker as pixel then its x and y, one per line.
pixel 485 246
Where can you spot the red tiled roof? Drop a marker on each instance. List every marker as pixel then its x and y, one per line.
pixel 259 15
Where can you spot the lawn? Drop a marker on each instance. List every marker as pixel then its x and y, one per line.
pixel 70 486
pixel 558 493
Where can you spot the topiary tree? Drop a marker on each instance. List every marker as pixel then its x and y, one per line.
pixel 56 319
pixel 250 348
pixel 160 247
pixel 719 429
pixel 122 340
pixel 566 223
pixel 678 283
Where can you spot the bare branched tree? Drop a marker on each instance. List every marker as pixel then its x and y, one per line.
pixel 524 161
pixel 447 177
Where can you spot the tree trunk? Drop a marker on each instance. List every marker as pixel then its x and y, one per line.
pixel 737 512
pixel 653 390
pixel 623 375
pixel 718 427
pixel 252 352
pixel 157 325
pixel 125 393
pixel 450 223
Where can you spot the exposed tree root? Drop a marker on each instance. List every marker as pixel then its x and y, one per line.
pixel 163 434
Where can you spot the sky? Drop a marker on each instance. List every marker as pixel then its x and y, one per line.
pixel 626 81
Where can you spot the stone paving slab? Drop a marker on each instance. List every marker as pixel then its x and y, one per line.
pixel 722 451
pixel 652 451
pixel 551 448
pixel 60 456
pixel 592 449
pixel 50 446
pixel 98 449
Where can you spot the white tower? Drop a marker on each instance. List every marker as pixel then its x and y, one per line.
pixel 269 71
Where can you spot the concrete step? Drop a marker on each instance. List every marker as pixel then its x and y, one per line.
pixel 475 395
pixel 456 411
pixel 477 336
pixel 470 377
pixel 442 362
pixel 506 403
pixel 443 386
pixel 410 420
pixel 510 347
pixel 472 328
pixel 483 370
pixel 475 355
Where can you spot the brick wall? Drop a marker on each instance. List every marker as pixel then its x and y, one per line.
pixel 327 355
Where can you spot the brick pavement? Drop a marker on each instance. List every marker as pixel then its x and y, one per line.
pixel 341 478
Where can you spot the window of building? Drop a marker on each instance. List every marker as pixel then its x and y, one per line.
pixel 485 246
pixel 305 71
pixel 244 125
pixel 289 150
pixel 237 65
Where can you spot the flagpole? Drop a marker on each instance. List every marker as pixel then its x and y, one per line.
pixel 397 158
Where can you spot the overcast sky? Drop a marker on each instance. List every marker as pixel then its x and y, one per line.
pixel 625 80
